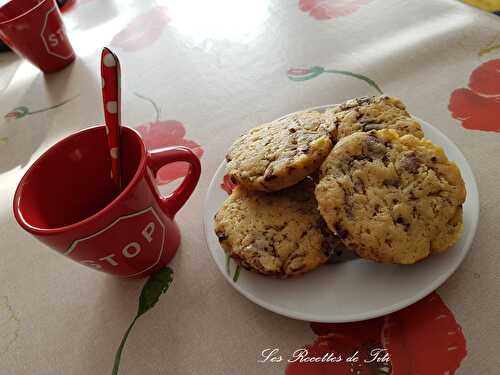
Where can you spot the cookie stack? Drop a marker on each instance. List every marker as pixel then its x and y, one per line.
pixel 359 176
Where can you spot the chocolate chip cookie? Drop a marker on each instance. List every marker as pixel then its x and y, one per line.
pixel 372 113
pixel 391 198
pixel 279 233
pixel 279 154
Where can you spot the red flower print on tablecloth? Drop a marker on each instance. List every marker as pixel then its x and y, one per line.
pixel 166 133
pixel 423 338
pixel 69 5
pixel 143 31
pixel 478 107
pixel 328 9
pixel 227 184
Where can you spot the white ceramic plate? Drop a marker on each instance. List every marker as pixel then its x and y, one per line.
pixel 357 289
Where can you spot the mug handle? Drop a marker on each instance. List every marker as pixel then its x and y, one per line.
pixel 159 158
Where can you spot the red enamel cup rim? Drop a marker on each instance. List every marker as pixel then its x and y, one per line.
pixel 102 212
pixel 22 14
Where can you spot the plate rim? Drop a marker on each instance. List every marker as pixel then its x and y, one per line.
pixel 472 193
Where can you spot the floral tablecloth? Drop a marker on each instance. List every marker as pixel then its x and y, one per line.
pixel 198 73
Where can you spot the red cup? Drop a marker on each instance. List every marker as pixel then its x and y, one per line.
pixel 67 200
pixel 35 30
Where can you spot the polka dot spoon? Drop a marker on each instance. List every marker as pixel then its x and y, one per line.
pixel 110 75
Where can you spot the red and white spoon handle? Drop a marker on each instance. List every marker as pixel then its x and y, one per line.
pixel 110 74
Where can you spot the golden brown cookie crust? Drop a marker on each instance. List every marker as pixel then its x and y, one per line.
pixel 392 198
pixel 279 154
pixel 372 113
pixel 279 233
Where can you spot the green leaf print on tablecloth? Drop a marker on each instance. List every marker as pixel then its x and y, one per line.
pixel 305 74
pixel 156 285
pixel 237 271
pixel 9 325
pixel 22 111
pixel 491 46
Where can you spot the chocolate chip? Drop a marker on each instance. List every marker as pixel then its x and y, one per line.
pixel 269 174
pixel 341 231
pixel 434 159
pixel 221 236
pixel 272 249
pixel 372 126
pixel 394 182
pixel 364 100
pixel 359 187
pixel 348 210
pixel 368 120
pixel 355 103
pixel 292 130
pixel 373 141
pixel 279 228
pixel 297 122
pixel 305 150
pixel 410 163
pixel 329 244
pixel 401 221
pixel 375 146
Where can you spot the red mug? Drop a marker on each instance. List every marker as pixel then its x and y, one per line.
pixel 68 201
pixel 35 30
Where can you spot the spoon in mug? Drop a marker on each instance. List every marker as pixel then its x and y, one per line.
pixel 111 90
